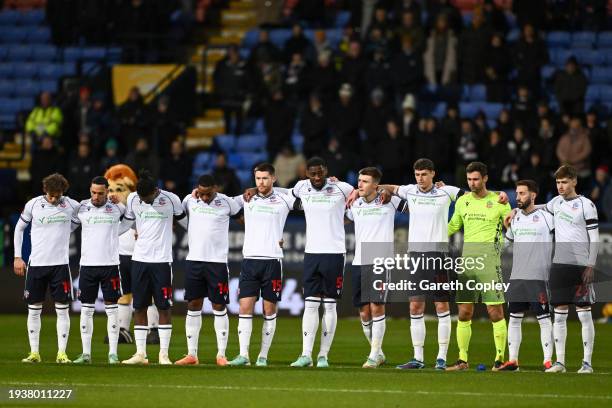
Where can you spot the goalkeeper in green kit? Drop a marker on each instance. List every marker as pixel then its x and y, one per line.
pixel 481 217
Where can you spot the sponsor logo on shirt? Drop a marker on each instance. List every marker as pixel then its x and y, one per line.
pixel 53 219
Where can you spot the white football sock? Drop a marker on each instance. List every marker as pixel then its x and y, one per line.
pixel 515 335
pixel 165 333
pixel 417 333
pixel 328 326
pixel 546 336
pixel 125 316
pixel 267 334
pixel 112 327
pixel 444 334
pixel 588 333
pixel 310 324
pixel 367 330
pixel 245 328
pixel 62 326
pixel 193 324
pixel 560 334
pixel 152 317
pixel 140 337
pixel 86 326
pixel 221 330
pixel 378 333
pixel 34 312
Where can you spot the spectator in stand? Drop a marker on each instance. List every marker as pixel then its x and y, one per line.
pixel 378 74
pixel 497 67
pixel 381 23
pixel 377 114
pixel 545 144
pixel 473 46
pixel 297 43
pixel 164 125
pixel 524 110
pixel 601 152
pixel 495 153
pixel 494 17
pixel 574 148
pixel 430 143
pixel 314 127
pixel 324 77
pixel 437 8
pixel 402 6
pixel 279 121
pixel 440 56
pixel 540 174
pixel 376 41
pixel 450 126
pixel 600 184
pixel 467 149
pixel 510 175
pixel 297 79
pixel 347 118
pixel 480 124
pixel 530 55
pixel 100 124
pixel 392 154
pixel 232 88
pixel 321 44
pixel 81 169
pixel 570 87
pixel 225 176
pixel 407 70
pixel 410 25
pixel 287 163
pixel 46 159
pixel 264 51
pixel 354 66
pixel 142 158
pixel 132 117
pixel 111 157
pixel 409 118
pixel 505 125
pixel 339 160
pixel 45 119
pixel 519 147
pixel 177 169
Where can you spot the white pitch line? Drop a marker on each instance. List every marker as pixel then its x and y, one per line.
pixel 297 389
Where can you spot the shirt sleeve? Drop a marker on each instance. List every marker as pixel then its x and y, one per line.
pixel 456 221
pixel 505 210
pixel 296 190
pixel 185 204
pixel 452 191
pixel 510 233
pixel 550 206
pixel 349 214
pixel 402 191
pixel 550 221
pixel 26 214
pixel 399 204
pixel 239 201
pixel 129 210
pixel 234 208
pixel 177 205
pixel 346 188
pixel 590 214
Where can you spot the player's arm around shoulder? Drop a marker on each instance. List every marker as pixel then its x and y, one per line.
pixel 456 221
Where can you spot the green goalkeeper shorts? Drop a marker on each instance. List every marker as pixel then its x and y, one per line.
pixel 481 280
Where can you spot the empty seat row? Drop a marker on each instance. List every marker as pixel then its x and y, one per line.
pixel 37 70
pixel 26 87
pixel 33 35
pixel 26 18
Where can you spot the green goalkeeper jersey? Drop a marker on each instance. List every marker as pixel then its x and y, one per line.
pixel 481 218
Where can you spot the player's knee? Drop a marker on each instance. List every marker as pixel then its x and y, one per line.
pixel 217 307
pixel 417 308
pixel 196 305
pixel 496 313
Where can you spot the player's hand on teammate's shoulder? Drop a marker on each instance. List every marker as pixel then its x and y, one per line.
pixel 194 193
pixel 19 266
pixel 114 199
pixel 385 196
pixel 509 217
pixel 333 179
pixel 248 194
pixel 352 198
pixel 439 184
pixel 503 198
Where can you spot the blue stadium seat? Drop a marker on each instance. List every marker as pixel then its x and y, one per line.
pixel 50 70
pixel 72 54
pixel 245 177
pixel 468 109
pixel 604 39
pixel 559 56
pixel 203 162
pixel 234 160
pixel 251 143
pixel 279 36
pixel 467 18
pixel 492 110
pixel 334 36
pixel 606 55
pixel 601 75
pixel 478 93
pixel 511 20
pixel 7 88
pixel 244 53
pixel 26 103
pixel 583 39
pixel 48 85
pixel 548 71
pixel 20 52
pixel 297 140
pixel 28 88
pixel 225 142
pixel 605 93
pixel 46 53
pixel 9 106
pixel 26 70
pixel 13 35
pixel 513 35
pixel 3 52
pixel 6 70
pixel 249 160
pixel 32 17
pixel 9 17
pixel 558 39
pixel 439 111
pixel 113 54
pixel 69 69
pixel 342 19
pixel 592 93
pixel 250 39
pixel 93 53
pixel 259 128
pixel 41 35
pixel 91 68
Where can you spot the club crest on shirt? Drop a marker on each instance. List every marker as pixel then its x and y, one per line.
pixel 575 206
pixel 62 204
pixel 489 204
pixel 536 218
pixel 162 201
pixel 108 208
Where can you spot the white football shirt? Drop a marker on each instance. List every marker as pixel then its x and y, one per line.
pixel 154 226
pixel 208 228
pixel 374 225
pixel 264 221
pixel 428 226
pixel 100 233
pixel 51 227
pixel 532 237
pixel 324 212
pixel 573 219
pixel 127 240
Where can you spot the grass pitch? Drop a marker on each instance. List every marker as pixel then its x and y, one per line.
pixel 344 384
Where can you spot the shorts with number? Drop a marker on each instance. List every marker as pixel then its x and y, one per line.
pixel 524 295
pixel 125 270
pixel 261 277
pixel 323 275
pixel 431 270
pixel 91 278
pixel 57 278
pixel 566 287
pixel 363 280
pixel 151 280
pixel 207 279
pixel 484 269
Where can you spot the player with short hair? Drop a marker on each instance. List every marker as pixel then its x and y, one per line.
pixel 207 273
pixel 571 275
pixel 374 226
pixel 153 211
pixel 532 232
pixel 481 216
pixel 261 273
pixel 50 216
pixel 100 221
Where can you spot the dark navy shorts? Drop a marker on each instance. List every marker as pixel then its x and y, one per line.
pixel 362 280
pixel 566 287
pixel 151 280
pixel 57 278
pixel 125 270
pixel 261 277
pixel 93 277
pixel 432 272
pixel 524 295
pixel 207 279
pixel 323 275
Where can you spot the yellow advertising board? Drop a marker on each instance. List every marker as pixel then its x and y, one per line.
pixel 144 77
